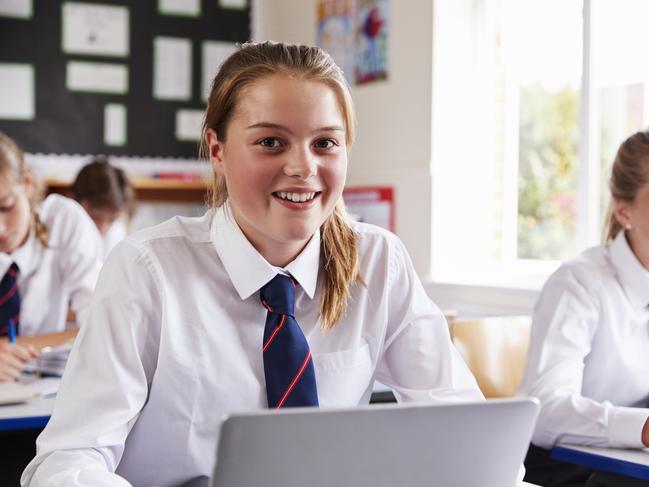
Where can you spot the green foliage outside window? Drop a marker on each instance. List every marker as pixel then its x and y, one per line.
pixel 547 185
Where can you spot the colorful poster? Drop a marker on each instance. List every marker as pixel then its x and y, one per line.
pixel 373 205
pixel 371 41
pixel 336 33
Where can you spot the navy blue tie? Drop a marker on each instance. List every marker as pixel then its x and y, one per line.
pixel 9 300
pixel 288 366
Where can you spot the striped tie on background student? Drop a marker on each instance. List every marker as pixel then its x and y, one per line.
pixel 9 300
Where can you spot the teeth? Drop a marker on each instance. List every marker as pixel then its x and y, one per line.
pixel 296 197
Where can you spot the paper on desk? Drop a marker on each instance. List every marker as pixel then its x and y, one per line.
pixel 51 361
pixel 42 386
pixel 15 392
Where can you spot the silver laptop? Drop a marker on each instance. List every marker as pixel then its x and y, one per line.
pixel 464 445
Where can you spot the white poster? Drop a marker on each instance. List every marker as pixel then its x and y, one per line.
pixel 96 77
pixel 21 9
pixel 100 30
pixel 234 4
pixel 186 8
pixel 115 124
pixel 17 93
pixel 172 68
pixel 214 53
pixel 188 125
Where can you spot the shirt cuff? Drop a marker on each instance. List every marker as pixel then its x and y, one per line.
pixel 625 427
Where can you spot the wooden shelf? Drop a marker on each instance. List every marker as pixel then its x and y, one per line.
pixel 149 189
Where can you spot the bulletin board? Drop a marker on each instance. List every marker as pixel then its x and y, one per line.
pixel 112 77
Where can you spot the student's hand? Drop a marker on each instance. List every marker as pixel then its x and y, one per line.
pixel 645 433
pixel 13 358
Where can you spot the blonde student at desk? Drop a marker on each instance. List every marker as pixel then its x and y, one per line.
pixel 107 195
pixel 198 317
pixel 48 259
pixel 587 361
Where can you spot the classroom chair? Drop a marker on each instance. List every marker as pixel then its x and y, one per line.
pixel 495 349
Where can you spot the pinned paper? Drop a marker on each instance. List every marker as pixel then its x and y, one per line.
pixel 114 124
pixel 17 93
pixel 172 68
pixel 100 30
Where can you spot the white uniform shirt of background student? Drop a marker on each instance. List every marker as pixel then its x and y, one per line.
pixel 56 248
pixel 175 341
pixel 587 361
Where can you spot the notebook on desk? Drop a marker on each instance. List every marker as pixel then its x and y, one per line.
pixel 460 445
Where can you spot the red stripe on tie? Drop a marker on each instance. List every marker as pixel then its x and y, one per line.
pixel 267 306
pixel 275 332
pixel 291 386
pixel 10 293
pixel 12 272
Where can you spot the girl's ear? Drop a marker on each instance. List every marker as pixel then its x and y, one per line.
pixel 216 150
pixel 623 210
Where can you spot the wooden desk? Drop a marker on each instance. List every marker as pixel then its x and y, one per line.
pixel 149 189
pixel 614 467
pixel 48 339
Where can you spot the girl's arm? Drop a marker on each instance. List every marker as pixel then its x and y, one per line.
pixel 80 250
pixel 419 360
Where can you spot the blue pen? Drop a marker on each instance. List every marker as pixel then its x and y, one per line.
pixel 12 331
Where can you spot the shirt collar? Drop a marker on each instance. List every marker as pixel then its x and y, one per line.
pixel 633 276
pixel 23 256
pixel 247 268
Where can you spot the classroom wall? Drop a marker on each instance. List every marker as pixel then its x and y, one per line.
pixel 393 144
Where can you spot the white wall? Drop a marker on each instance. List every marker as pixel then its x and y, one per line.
pixel 393 144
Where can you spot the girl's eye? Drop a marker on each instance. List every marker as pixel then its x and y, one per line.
pixel 326 144
pixel 270 142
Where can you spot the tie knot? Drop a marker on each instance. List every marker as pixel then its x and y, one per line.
pixel 13 270
pixel 278 296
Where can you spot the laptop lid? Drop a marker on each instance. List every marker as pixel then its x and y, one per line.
pixel 471 444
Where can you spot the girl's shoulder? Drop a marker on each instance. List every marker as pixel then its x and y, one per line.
pixel 378 244
pixel 64 218
pixel 68 226
pixel 591 271
pixel 55 206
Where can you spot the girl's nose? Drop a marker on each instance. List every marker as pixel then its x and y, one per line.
pixel 302 163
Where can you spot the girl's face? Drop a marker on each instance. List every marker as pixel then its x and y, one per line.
pixel 15 214
pixel 636 214
pixel 284 162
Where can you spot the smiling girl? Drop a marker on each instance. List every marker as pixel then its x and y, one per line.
pixel 272 299
pixel 48 260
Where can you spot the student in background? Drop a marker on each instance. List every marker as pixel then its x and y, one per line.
pixel 192 319
pixel 48 258
pixel 106 193
pixel 587 361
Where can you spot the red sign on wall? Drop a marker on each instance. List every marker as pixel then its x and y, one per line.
pixel 372 204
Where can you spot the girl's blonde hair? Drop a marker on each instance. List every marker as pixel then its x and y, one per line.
pixel 12 166
pixel 250 63
pixel 630 172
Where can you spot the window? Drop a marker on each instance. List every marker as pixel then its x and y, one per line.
pixel 531 99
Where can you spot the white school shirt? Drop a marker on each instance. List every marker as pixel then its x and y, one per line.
pixel 588 358
pixel 114 235
pixel 175 343
pixel 63 273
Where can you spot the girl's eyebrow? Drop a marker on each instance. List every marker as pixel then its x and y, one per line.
pixel 276 126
